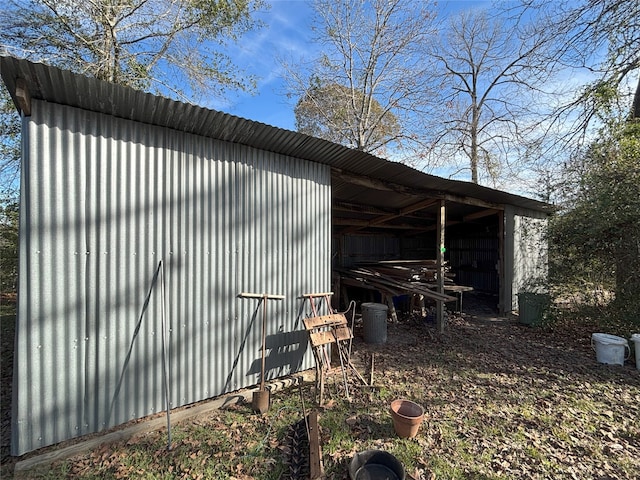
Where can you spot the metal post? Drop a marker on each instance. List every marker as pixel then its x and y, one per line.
pixel 165 366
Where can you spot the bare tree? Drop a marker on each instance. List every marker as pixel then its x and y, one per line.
pixel 323 112
pixel 372 61
pixel 599 39
pixel 170 47
pixel 165 46
pixel 597 42
pixel 489 72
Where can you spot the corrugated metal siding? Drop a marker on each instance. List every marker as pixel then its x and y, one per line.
pixel 418 247
pixel 104 200
pixel 368 248
pixel 474 260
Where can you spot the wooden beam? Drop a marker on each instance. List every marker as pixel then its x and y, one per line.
pixel 23 97
pixel 365 211
pixel 349 221
pixel 373 183
pixel 382 219
pixel 358 224
pixel 481 214
pixel 431 228
pixel 417 206
pixel 358 208
pixel 404 211
pixel 387 186
pixel 148 424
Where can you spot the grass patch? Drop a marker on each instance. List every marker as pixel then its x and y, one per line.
pixel 501 402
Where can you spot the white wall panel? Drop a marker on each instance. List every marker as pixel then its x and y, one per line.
pixel 526 252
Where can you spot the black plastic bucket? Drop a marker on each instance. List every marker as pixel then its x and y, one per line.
pixel 375 465
pixel 374 322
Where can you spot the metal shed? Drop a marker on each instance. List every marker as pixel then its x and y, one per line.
pixel 116 182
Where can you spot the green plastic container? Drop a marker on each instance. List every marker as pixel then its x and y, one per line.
pixel 532 307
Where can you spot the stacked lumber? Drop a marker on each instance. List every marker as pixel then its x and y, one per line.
pixel 396 277
pixel 409 270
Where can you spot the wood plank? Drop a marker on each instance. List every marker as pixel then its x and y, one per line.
pixel 318 339
pixel 481 214
pixel 316 469
pixel 334 319
pixel 403 262
pixel 356 224
pixel 270 296
pixel 423 289
pixel 382 219
pixel 154 422
pixel 316 295
pixel 343 333
pixel 23 97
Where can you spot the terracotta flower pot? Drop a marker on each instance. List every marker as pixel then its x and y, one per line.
pixel 407 417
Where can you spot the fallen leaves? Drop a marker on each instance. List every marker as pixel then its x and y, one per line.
pixel 501 401
pixel 510 401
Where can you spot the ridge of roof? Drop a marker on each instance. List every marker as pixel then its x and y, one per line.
pixel 52 84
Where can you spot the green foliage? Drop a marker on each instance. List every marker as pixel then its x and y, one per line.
pixel 8 247
pixel 335 112
pixel 9 148
pixel 9 192
pixel 594 244
pixel 167 47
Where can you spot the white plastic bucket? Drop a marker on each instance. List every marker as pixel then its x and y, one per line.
pixel 609 348
pixel 635 338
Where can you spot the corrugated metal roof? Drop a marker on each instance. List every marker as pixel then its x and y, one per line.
pixel 60 86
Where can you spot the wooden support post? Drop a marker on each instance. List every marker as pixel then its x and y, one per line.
pixel 315 453
pixel 440 265
pixel 392 307
pixel 502 308
pixel 23 97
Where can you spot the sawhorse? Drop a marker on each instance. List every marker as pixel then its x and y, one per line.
pixel 326 331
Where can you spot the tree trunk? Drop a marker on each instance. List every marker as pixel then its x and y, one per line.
pixel 475 120
pixel 635 110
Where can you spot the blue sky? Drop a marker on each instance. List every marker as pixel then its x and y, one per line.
pixel 287 34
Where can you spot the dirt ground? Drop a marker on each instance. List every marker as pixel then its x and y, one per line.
pixel 501 399
pixel 504 400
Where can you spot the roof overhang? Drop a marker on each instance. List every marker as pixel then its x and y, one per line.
pixel 369 193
